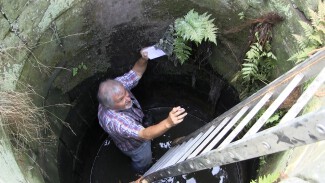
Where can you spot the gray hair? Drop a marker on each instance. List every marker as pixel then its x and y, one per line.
pixel 106 91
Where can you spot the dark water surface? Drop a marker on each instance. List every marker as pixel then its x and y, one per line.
pixel 110 165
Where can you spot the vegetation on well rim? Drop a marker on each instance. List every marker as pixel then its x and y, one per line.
pixel 269 178
pixel 193 27
pixel 26 123
pixel 314 34
pixel 259 60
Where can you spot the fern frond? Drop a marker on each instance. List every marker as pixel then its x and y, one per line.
pixel 254 52
pixel 270 178
pixel 302 55
pixel 316 38
pixel 271 55
pixel 321 28
pixel 314 35
pixel 181 50
pixel 301 40
pixel 308 30
pixel 314 17
pixel 318 18
pixel 321 9
pixel 249 70
pixel 191 27
pixel 210 31
pixel 294 57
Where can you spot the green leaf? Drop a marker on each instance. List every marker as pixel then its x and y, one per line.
pixel 241 15
pixel 74 71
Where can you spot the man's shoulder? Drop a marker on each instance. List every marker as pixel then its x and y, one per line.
pixel 109 115
pixel 104 114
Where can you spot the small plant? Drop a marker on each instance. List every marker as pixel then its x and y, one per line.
pixel 258 62
pixel 241 15
pixel 262 161
pixel 191 28
pixel 76 69
pixel 270 178
pixel 256 69
pixel 314 34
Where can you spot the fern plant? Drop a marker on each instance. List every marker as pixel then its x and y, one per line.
pixel 258 63
pixel 256 69
pixel 193 27
pixel 270 178
pixel 314 34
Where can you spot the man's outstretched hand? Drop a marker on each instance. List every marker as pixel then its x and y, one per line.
pixel 176 116
pixel 141 65
pixel 144 54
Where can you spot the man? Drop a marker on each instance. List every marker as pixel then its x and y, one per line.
pixel 120 115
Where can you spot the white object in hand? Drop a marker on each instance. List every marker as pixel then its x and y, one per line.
pixel 153 52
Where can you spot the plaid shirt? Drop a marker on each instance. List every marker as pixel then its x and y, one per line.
pixel 123 125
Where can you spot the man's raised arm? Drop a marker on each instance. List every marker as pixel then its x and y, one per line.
pixel 141 65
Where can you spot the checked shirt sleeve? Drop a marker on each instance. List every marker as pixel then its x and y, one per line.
pixel 129 79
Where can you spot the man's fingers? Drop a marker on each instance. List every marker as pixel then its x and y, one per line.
pixel 182 116
pixel 175 109
pixel 179 111
pixel 145 54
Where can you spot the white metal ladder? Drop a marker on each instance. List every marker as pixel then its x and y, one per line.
pixel 214 144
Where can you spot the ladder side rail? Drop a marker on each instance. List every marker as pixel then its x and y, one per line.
pixel 216 140
pixel 245 121
pixel 209 138
pixel 274 106
pixel 309 68
pixel 305 97
pixel 309 128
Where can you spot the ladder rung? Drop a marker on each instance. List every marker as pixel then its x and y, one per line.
pixel 163 159
pixel 274 106
pixel 226 129
pixel 305 97
pixel 246 120
pixel 208 139
pixel 176 154
pixel 197 143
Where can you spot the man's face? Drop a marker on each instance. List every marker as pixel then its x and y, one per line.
pixel 122 100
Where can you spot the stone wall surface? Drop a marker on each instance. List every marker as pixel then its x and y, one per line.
pixel 45 43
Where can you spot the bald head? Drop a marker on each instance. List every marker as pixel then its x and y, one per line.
pixel 107 89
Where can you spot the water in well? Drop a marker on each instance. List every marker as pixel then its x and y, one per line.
pixel 93 158
pixel 110 165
